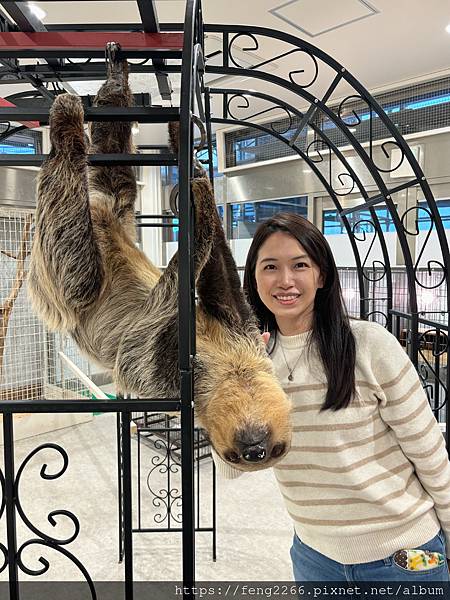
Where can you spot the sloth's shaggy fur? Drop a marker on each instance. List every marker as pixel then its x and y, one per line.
pixel 88 278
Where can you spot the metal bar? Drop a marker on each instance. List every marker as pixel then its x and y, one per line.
pixel 110 26
pixel 168 431
pixel 82 406
pixel 209 138
pixel 186 298
pixel 163 225
pixel 156 217
pixel 88 44
pixel 10 499
pixel 214 512
pixel 303 123
pixel 172 529
pixel 119 483
pixel 143 114
pixel 35 160
pixel 127 504
pixel 149 18
pixel 67 72
pixel 139 477
pixel 379 198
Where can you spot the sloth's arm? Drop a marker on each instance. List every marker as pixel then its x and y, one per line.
pixel 147 360
pixel 65 268
pixel 109 137
pixel 219 286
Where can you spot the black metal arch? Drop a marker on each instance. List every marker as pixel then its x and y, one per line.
pixel 414 319
pixel 327 183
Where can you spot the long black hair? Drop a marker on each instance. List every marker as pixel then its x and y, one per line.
pixel 331 331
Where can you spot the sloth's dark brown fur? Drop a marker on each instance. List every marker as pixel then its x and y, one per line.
pixel 87 278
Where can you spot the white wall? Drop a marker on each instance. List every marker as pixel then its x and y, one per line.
pixel 343 252
pixel 151 203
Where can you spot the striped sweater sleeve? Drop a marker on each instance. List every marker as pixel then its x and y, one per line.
pixel 404 406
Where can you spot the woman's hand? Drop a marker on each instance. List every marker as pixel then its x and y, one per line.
pixel 266 337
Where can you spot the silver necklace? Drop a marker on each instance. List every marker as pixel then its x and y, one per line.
pixel 291 371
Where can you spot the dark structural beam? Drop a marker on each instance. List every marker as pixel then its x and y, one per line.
pixel 142 114
pixel 112 160
pixel 149 18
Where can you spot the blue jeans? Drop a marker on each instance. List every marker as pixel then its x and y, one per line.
pixel 310 565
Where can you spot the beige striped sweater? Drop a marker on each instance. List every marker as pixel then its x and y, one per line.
pixel 368 480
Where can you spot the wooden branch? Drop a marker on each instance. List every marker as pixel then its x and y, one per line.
pixel 8 305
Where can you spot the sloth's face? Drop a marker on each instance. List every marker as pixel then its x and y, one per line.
pixel 247 418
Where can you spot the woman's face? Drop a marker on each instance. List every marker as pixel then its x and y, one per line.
pixel 287 281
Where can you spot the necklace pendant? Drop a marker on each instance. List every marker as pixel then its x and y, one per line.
pixel 290 377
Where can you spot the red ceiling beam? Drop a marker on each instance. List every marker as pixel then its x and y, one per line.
pixel 87 43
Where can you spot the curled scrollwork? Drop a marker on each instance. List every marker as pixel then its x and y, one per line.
pixel 45 539
pixel 377 265
pixel 351 119
pixel 4 551
pixel 314 154
pixel 344 114
pixel 46 565
pixel 416 220
pixel 439 347
pixel 246 105
pixel 341 178
pixel 243 49
pixel 164 499
pixel 292 75
pixel 439 265
pixel 55 513
pixel 295 72
pixel 384 147
pixel 314 148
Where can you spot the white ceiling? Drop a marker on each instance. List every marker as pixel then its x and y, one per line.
pixel 382 42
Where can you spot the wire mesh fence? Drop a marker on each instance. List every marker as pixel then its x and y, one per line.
pixel 33 361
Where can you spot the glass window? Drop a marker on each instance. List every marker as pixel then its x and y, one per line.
pixel 26 141
pixel 170 234
pixel 361 221
pixel 169 175
pixel 245 217
pixel 423 214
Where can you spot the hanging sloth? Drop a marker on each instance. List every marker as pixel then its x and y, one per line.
pixel 87 278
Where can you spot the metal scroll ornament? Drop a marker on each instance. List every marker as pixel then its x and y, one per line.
pixel 293 75
pixel 432 265
pixel 44 539
pixel 166 499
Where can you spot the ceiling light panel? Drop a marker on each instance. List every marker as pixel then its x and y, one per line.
pixel 316 17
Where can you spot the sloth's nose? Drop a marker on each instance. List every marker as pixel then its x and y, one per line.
pixel 254 454
pixel 252 443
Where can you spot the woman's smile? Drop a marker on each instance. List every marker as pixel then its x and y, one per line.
pixel 286 299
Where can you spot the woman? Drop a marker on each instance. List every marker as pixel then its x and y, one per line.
pixel 367 479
